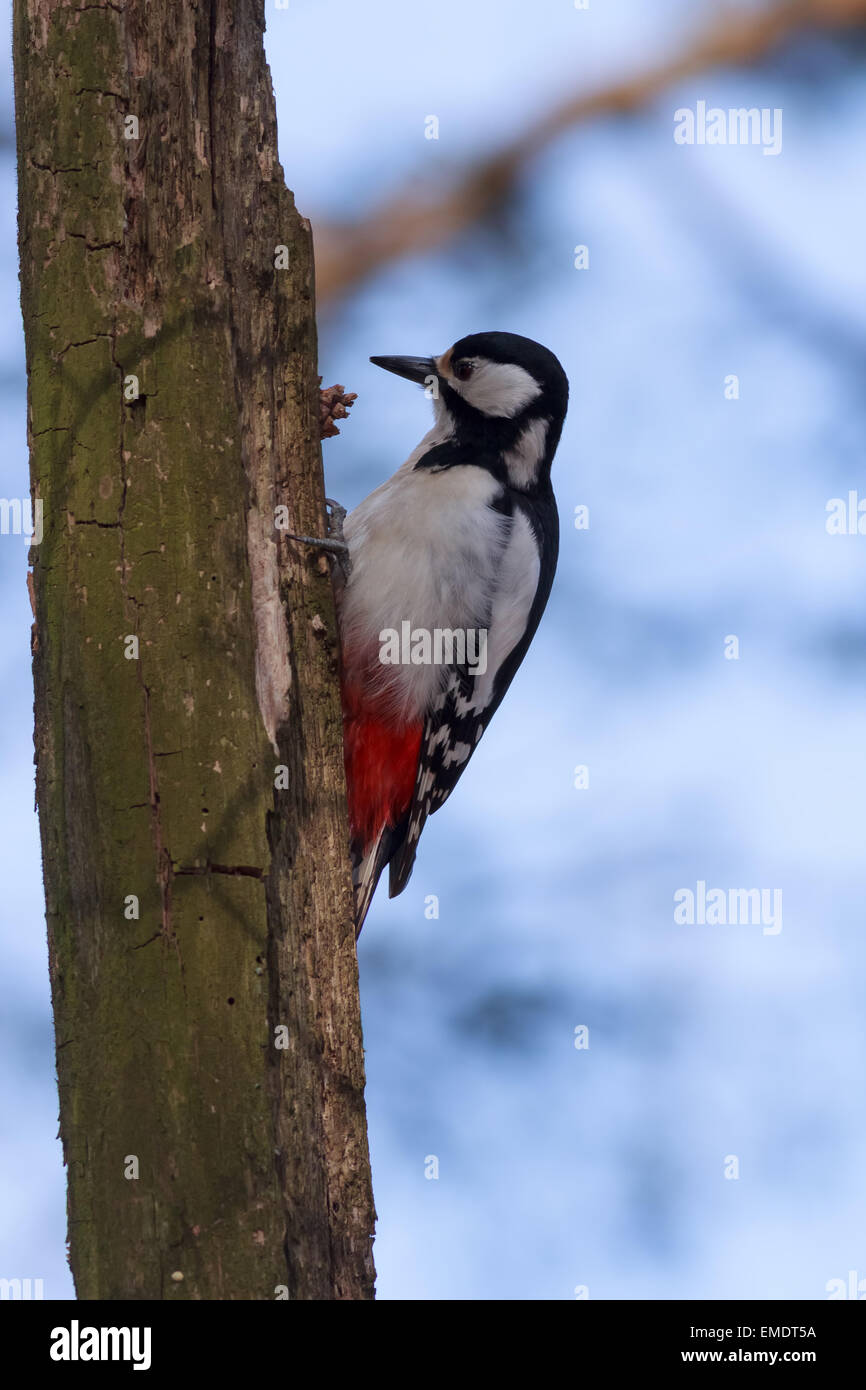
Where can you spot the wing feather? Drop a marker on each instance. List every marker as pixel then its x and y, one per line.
pixel 461 712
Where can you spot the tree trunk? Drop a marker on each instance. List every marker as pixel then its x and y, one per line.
pixel 188 734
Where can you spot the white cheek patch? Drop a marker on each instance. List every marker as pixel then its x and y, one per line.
pixel 500 389
pixel 522 461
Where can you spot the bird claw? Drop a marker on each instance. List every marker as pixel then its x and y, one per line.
pixel 336 518
pixel 333 542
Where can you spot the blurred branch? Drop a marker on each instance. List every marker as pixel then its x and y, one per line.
pixel 413 222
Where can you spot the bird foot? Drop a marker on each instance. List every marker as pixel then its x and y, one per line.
pixel 333 543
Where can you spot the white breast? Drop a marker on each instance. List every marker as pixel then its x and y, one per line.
pixel 426 549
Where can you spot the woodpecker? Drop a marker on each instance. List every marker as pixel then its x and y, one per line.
pixel 462 540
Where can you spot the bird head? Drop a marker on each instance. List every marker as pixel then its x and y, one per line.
pixel 498 393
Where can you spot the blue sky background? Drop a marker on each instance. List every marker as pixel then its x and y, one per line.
pixel 601 1167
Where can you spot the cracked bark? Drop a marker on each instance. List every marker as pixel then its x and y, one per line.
pixel 155 257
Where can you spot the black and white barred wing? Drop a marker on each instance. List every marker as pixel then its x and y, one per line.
pixel 464 708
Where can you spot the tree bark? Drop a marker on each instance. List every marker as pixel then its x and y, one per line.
pixel 188 731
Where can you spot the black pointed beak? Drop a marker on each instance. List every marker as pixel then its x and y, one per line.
pixel 412 368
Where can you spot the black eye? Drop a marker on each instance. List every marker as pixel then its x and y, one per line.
pixel 463 370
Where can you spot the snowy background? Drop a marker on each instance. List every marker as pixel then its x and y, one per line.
pixel 605 1166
